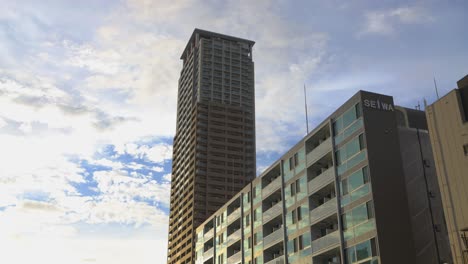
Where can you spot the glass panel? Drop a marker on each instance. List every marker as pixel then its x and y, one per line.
pixel 350 255
pixel 355 180
pixel 301 158
pixel 361 192
pixel 353 147
pixel 364 228
pixel 290 247
pixel 349 116
pixel 360 214
pixel 363 250
pixel 303 191
pixel 356 159
pixel 288 174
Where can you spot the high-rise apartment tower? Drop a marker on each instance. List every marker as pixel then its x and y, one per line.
pixel 214 145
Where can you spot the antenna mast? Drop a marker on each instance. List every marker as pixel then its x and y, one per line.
pixel 437 91
pixel 305 104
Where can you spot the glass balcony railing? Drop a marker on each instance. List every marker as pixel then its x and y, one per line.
pixel 319 151
pixel 278 260
pixel 273 186
pixel 323 179
pixel 273 238
pixel 234 259
pixel 271 213
pixel 324 210
pixel 208 254
pixel 326 242
pixel 234 215
pixel 234 237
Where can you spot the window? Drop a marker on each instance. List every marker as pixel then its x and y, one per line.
pixel 291 163
pixel 296 215
pixel 298 243
pixel 362 252
pixel 247 220
pixel 296 159
pixel 295 187
pixel 354 181
pixel 256 238
pixel 221 258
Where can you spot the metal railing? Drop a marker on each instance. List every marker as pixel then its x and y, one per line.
pixel 324 210
pixel 272 238
pixel 274 211
pixel 321 180
pixel 325 242
pixel 234 215
pixel 208 234
pixel 271 187
pixel 278 260
pixel 234 237
pixel 319 151
pixel 208 254
pixel 236 258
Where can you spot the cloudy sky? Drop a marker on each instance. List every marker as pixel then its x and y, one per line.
pixel 88 100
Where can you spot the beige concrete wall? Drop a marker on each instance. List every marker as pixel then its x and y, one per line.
pixel 449 133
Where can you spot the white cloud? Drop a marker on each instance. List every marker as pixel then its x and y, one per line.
pixel 158 153
pixel 385 22
pixel 167 177
pixel 84 251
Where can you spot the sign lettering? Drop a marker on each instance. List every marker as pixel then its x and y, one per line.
pixel 377 104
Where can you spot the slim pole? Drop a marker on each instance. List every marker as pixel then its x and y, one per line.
pixel 305 104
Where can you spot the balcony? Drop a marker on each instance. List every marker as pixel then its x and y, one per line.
pixel 208 234
pixel 234 237
pixel 273 238
pixel 319 151
pixel 326 242
pixel 323 211
pixel 321 180
pixel 234 259
pixel 278 260
pixel 273 186
pixel 234 215
pixel 208 254
pixel 271 213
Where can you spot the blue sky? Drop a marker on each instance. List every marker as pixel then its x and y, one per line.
pixel 88 95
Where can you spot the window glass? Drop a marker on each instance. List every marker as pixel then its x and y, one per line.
pixel 352 147
pixel 349 117
pixel 340 156
pixel 360 214
pixel 363 250
pixel 355 180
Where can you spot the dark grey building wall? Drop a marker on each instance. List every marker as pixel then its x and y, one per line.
pixel 430 234
pixel 387 178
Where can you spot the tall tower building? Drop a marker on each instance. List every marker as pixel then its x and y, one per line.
pixel 448 130
pixel 214 145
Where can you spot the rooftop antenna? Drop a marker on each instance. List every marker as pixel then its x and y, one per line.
pixel 435 86
pixel 305 104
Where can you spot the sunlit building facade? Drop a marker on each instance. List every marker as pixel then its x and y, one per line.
pixel 338 196
pixel 214 145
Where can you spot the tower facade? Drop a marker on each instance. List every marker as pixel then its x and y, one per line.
pixel 214 145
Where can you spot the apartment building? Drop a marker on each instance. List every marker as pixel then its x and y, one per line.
pixel 338 196
pixel 214 145
pixel 448 130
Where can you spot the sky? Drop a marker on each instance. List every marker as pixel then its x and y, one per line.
pixel 88 95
